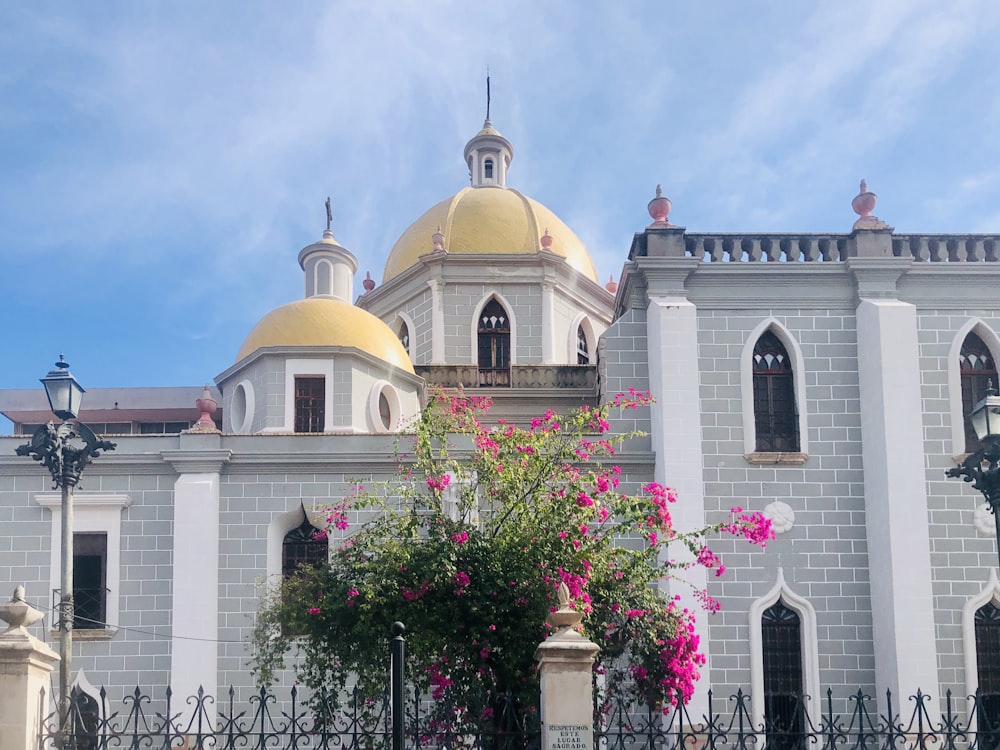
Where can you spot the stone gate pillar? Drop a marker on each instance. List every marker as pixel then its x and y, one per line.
pixel 25 669
pixel 565 661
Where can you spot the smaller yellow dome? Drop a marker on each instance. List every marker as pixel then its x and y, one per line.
pixel 325 321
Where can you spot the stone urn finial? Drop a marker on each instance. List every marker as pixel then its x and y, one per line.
pixel 546 239
pixel 565 617
pixel 438 239
pixel 17 613
pixel 369 282
pixel 863 205
pixel 612 285
pixel 207 406
pixel 659 209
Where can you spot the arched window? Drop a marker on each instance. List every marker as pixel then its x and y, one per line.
pixel 488 169
pixel 775 419
pixel 403 332
pixel 977 370
pixel 784 709
pixel 85 718
pixel 582 349
pixel 494 345
pixel 988 667
pixel 303 545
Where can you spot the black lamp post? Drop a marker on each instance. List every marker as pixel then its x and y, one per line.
pixel 64 450
pixel 982 468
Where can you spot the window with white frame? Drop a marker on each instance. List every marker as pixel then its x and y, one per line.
pixel 784 663
pixel 97 554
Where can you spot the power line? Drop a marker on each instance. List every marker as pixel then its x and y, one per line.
pixel 138 630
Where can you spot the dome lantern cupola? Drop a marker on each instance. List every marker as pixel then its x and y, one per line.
pixel 488 155
pixel 329 267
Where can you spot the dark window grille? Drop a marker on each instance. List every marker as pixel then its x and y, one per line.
pixel 494 345
pixel 782 654
pixel 977 369
pixel 90 575
pixel 384 410
pixel 987 623
pixel 775 418
pixel 488 169
pixel 582 350
pixel 85 717
pixel 310 404
pixel 404 336
pixel 303 545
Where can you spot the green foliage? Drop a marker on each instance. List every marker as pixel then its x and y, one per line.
pixel 468 548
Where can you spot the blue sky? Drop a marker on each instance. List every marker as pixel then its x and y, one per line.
pixel 161 164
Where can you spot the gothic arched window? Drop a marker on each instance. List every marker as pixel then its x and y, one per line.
pixel 775 420
pixel 582 348
pixel 494 345
pixel 85 718
pixel 977 370
pixel 988 667
pixel 403 333
pixel 303 545
pixel 784 709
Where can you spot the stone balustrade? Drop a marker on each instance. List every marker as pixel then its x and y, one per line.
pixel 955 248
pixel 522 376
pixel 826 248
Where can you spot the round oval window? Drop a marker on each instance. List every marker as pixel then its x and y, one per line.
pixel 239 408
pixel 384 411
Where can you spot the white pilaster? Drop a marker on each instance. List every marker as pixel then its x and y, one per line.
pixel 672 341
pixel 548 325
pixel 195 628
pixel 194 663
pixel 896 497
pixel 437 323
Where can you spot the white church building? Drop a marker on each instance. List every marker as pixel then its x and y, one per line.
pixel 820 379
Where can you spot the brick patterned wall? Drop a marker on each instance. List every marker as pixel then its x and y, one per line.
pixel 824 556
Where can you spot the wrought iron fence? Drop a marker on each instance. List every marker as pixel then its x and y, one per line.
pixel 286 722
pixel 971 723
pixel 291 722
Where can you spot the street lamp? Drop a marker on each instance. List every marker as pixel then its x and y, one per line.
pixel 982 468
pixel 59 450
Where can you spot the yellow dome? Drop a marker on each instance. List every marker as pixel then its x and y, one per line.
pixel 488 221
pixel 325 321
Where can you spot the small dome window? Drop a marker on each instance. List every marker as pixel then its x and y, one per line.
pixel 488 169
pixel 384 410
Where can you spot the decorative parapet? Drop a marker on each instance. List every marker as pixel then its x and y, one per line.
pixel 554 376
pixel 755 248
pixel 522 376
pixel 827 248
pixel 955 248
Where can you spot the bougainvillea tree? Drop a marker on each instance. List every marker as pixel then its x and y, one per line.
pixel 468 546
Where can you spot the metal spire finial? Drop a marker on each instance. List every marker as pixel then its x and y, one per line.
pixel 329 214
pixel 487 93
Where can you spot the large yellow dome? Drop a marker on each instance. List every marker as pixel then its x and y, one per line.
pixel 326 321
pixel 487 221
